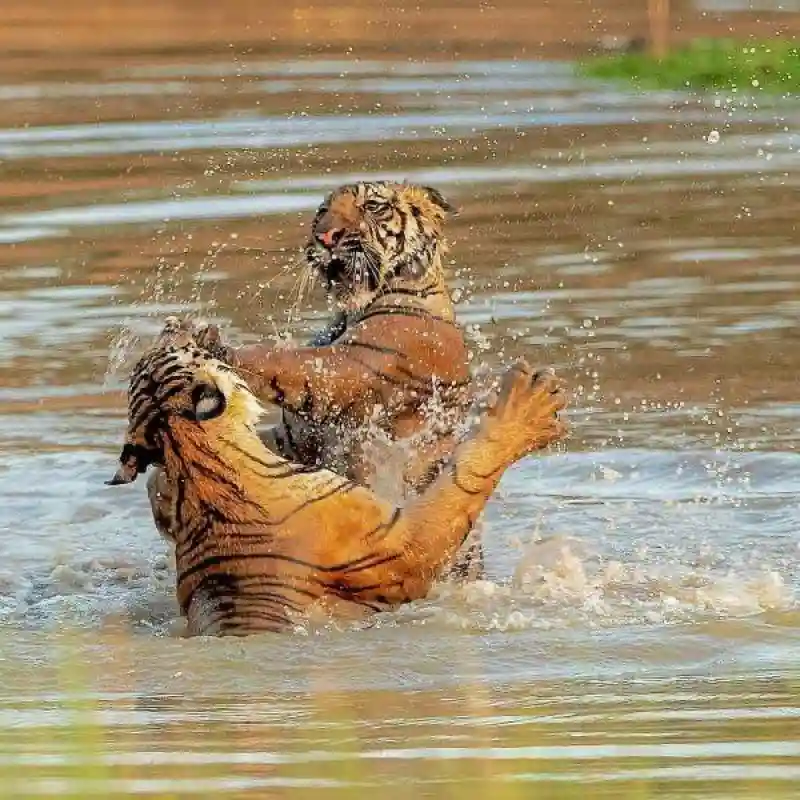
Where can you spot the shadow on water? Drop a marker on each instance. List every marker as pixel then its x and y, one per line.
pixel 640 621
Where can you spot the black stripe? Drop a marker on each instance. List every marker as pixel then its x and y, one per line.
pixel 331 333
pixel 403 312
pixel 428 291
pixel 344 487
pixel 430 475
pixel 138 408
pixel 305 405
pixel 235 622
pixel 401 235
pixel 135 403
pixel 150 429
pixel 279 393
pixel 169 371
pixel 485 475
pixel 192 538
pixel 289 469
pixel 385 527
pixel 272 597
pixel 365 563
pixel 423 383
pixel 343 591
pixel 460 485
pixel 357 565
pixel 387 351
pixel 390 379
pixel 187 467
pixel 290 440
pixel 136 415
pixel 180 499
pixel 260 582
pixel 347 589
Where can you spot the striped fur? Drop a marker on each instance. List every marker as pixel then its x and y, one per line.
pixel 381 392
pixel 262 543
pixel 374 239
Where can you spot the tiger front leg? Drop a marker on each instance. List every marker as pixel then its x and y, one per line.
pixel 422 538
pixel 524 419
pixel 315 381
pixel 319 381
pixel 303 380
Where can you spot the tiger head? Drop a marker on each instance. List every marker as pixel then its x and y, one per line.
pixel 176 379
pixel 367 235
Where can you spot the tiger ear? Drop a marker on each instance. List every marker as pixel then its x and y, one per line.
pixel 176 331
pixel 209 402
pixel 436 197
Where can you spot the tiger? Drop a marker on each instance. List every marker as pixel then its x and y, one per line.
pixel 265 544
pixel 380 393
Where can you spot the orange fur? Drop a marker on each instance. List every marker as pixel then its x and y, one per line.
pixel 262 542
pixel 380 394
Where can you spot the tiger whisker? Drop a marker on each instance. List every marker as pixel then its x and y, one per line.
pixel 305 279
pixel 373 262
pixel 298 287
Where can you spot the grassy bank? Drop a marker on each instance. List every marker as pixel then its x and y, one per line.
pixel 706 65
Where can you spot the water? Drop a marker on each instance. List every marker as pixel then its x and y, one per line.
pixel 640 621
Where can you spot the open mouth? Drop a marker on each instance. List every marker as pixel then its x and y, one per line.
pixel 133 461
pixel 344 270
pixel 328 265
pixel 334 269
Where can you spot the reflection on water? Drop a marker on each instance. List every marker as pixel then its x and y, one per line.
pixel 640 620
pixel 434 741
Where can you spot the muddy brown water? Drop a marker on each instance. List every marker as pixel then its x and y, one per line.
pixel 640 620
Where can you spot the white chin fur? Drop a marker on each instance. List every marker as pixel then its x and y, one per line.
pixel 231 384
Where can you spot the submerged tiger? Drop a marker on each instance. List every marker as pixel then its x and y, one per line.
pixel 262 542
pixel 380 394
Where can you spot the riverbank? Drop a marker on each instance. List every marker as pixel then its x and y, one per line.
pixel 738 67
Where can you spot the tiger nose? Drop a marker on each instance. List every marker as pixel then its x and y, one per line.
pixel 329 236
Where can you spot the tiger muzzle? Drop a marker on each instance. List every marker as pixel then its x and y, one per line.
pixel 133 461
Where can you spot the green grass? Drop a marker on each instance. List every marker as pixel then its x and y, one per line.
pixel 746 68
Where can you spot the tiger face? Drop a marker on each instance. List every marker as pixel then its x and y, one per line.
pixel 177 378
pixel 365 234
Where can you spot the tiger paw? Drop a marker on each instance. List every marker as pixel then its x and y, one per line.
pixel 528 404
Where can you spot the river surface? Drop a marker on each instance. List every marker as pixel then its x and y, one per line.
pixel 639 627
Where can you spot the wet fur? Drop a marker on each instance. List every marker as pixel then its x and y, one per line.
pixel 261 542
pixel 361 397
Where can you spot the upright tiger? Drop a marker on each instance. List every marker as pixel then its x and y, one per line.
pixel 379 394
pixel 260 541
pixel 378 247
